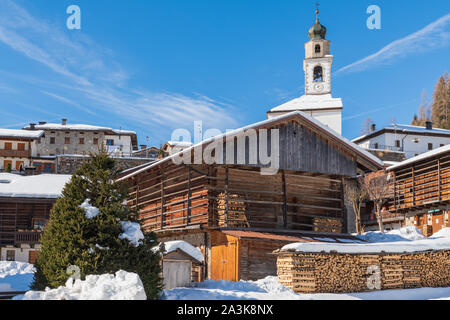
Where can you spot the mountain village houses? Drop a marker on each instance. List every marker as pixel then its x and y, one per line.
pixel 232 210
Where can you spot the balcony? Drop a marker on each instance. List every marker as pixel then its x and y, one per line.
pixel 27 237
pixel 15 153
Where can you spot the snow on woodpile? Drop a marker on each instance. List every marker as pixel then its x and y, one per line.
pixel 403 234
pixel 40 186
pixel 121 286
pixel 132 232
pixel 184 246
pixel 439 241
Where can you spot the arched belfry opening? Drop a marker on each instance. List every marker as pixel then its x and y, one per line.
pixel 317 49
pixel 318 74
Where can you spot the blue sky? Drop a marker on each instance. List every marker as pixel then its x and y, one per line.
pixel 154 66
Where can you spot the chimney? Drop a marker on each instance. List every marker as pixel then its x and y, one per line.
pixel 33 126
pixel 429 125
pixel 64 121
pixel 373 127
pixel 41 123
pixel 143 146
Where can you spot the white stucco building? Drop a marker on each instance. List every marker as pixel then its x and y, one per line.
pixel 411 140
pixel 317 101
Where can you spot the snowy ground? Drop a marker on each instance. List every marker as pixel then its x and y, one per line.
pixel 16 276
pixel 270 289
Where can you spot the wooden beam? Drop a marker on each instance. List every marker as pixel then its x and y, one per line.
pixel 283 181
pixel 227 198
pixel 163 209
pixel 189 194
pixel 439 180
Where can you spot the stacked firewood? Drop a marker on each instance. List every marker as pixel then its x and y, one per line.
pixel 327 225
pixel 235 217
pixel 339 273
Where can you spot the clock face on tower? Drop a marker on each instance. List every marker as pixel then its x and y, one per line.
pixel 318 87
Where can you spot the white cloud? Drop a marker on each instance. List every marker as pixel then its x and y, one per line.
pixel 94 81
pixel 433 36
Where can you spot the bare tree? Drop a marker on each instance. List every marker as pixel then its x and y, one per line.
pixel 355 194
pixel 378 189
pixel 367 126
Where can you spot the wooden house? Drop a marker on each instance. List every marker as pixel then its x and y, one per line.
pixel 239 211
pixel 421 192
pixel 25 203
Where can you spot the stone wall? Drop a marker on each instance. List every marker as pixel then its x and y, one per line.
pixel 69 164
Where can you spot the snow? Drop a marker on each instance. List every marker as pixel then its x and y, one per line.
pixel 80 127
pixel 13 133
pixel 270 289
pixel 132 232
pixel 310 102
pixel 15 276
pixel 121 286
pixel 420 157
pixel 407 239
pixel 39 186
pixel 90 211
pixel 189 249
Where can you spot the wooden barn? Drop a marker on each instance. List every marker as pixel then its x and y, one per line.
pixel 238 210
pixel 422 190
pixel 25 204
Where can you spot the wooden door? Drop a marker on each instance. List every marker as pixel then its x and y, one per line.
pixel 18 164
pixel 224 257
pixel 6 163
pixel 438 222
pixel 32 257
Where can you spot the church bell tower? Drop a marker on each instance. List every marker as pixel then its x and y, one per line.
pixel 318 61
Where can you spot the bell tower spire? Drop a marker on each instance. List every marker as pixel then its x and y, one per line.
pixel 318 61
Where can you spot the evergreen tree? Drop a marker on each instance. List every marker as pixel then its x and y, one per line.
pixel 441 103
pixel 79 234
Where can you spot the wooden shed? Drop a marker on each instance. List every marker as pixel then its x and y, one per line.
pixel 180 268
pixel 203 202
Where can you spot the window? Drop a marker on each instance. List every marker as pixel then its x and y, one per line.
pixel 48 168
pixel 96 141
pixel 110 142
pixel 8 145
pixel 66 140
pixel 21 146
pixel 81 140
pixel 10 255
pixel 430 146
pixel 397 143
pixel 442 145
pixel 376 145
pixel 317 48
pixel 52 140
pixel 38 224
pixel 318 74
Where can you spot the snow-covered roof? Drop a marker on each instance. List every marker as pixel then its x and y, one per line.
pixel 47 186
pixel 179 143
pixel 25 134
pixel 171 246
pixel 79 127
pixel 404 128
pixel 327 130
pixel 422 156
pixel 439 241
pixel 310 102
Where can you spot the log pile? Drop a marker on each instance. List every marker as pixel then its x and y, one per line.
pixel 327 225
pixel 344 273
pixel 233 216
